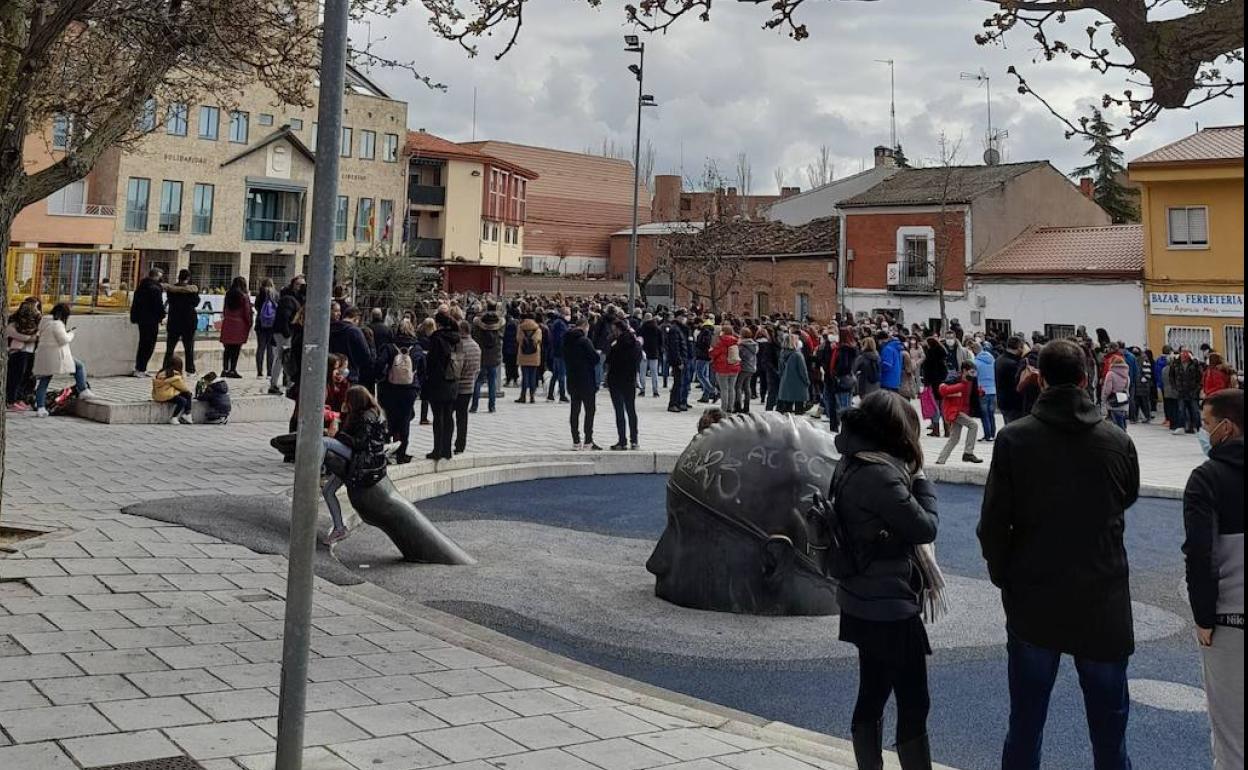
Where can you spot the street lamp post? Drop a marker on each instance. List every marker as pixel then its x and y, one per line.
pixel 297 631
pixel 635 45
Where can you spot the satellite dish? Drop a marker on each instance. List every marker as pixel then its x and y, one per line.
pixel 991 156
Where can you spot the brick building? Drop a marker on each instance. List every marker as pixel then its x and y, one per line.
pixel 896 232
pixel 573 207
pixel 671 203
pixel 788 269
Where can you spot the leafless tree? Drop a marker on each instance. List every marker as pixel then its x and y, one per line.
pixel 109 69
pixel 710 180
pixel 778 176
pixel 704 260
pixel 745 173
pixel 949 223
pixel 820 171
pixel 1183 59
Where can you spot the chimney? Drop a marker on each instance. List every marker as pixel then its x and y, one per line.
pixel 1088 187
pixel 732 191
pixel 789 192
pixel 885 157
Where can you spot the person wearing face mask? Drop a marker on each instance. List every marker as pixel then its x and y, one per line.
pixel 1213 519
pixel 1188 378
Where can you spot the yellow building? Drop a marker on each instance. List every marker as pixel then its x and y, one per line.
pixel 1193 208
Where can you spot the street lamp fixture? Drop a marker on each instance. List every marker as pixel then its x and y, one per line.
pixel 634 45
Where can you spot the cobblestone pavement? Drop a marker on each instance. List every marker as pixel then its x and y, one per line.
pixel 125 639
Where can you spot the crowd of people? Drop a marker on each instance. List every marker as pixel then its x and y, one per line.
pixel 39 349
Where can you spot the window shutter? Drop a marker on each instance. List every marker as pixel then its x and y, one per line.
pixel 1180 233
pixel 1198 225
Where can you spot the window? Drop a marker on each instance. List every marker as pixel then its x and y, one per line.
pixel 296 124
pixel 390 148
pixel 1233 347
pixel 936 325
pixel 1059 331
pixel 345 147
pixel 485 231
pixel 70 199
pixel 1188 227
pixel 364 221
pixel 170 207
pixel 201 209
pixel 209 123
pixel 801 306
pixel 387 220
pixel 493 232
pixel 341 215
pixel 238 127
pixel 147 118
pixel 1190 337
pixel 137 193
pixel 264 119
pixel 522 212
pixel 762 304
pixel 62 127
pixel 368 145
pixel 274 215
pixel 175 120
pixel 999 328
pixel 915 256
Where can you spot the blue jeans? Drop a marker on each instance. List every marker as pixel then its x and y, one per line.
pixel 41 387
pixel 988 415
pixel 558 376
pixel 337 460
pixel 488 375
pixel 1118 417
pixel 665 369
pixel 703 371
pixel 1032 671
pixel 600 369
pixel 528 380
pixel 651 366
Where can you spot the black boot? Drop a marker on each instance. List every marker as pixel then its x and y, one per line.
pixel 914 754
pixel 868 745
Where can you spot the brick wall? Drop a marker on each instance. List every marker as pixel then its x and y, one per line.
pixel 872 238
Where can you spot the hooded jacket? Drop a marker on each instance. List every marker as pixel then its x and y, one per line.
pixel 488 332
pixel 558 330
pixel 581 359
pixel 867 372
pixel 287 308
pixel 1052 522
pixel 531 329
pixel 886 515
pixel 1007 368
pixel 472 364
pixel 719 355
pixel 147 307
pixel 890 364
pixel 1117 380
pixel 986 371
pixel 1213 518
pixel 702 342
pixel 183 300
pixel 794 379
pixel 622 361
pixel 749 356
pixel 674 336
pixel 52 356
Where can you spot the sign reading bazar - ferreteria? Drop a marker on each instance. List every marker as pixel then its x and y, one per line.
pixel 1184 303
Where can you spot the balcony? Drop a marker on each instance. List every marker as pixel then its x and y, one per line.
pixel 426 195
pixel 914 277
pixel 425 248
pixel 65 208
pixel 274 230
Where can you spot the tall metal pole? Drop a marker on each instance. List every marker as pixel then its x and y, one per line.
pixel 632 241
pixel 988 91
pixel 291 707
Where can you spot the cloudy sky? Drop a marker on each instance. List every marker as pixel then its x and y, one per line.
pixel 728 86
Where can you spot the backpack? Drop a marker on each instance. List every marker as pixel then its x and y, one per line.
pixel 268 313
pixel 454 365
pixel 830 544
pixel 402 371
pixel 734 354
pixel 527 346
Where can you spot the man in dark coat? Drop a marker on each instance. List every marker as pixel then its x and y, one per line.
pixel 674 336
pixel 147 310
pixel 1213 519
pixel 511 350
pixel 288 304
pixel 1008 367
pixel 558 372
pixel 183 319
pixel 441 386
pixel 1051 528
pixel 346 339
pixel 487 331
pixel 580 358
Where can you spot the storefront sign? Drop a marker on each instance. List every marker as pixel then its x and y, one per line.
pixel 1191 303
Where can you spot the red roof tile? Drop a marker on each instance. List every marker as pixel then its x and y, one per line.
pixel 1210 145
pixel 1074 251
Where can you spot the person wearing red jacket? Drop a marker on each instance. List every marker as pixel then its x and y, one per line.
pixel 726 366
pixel 958 401
pixel 1218 376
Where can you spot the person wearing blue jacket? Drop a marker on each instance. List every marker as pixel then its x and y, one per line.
pixel 558 370
pixel 985 368
pixel 1133 365
pixel 890 361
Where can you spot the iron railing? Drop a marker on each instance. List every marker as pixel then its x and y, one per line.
pixel 92 280
pixel 80 209
pixel 425 248
pixel 426 195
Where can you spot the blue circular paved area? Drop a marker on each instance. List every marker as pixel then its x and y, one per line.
pixel 968 683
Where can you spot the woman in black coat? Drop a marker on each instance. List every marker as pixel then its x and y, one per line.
pixel 397 397
pixel 442 385
pixel 622 361
pixel 933 373
pixel 889 509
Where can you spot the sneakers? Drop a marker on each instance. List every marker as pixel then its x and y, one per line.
pixel 175 421
pixel 619 447
pixel 185 419
pixel 335 535
pixel 19 406
pixel 634 446
pixel 138 373
pixel 675 409
pixel 274 391
pixel 1176 431
pixel 86 394
pixel 41 412
pixel 970 458
pixel 577 446
pixel 592 447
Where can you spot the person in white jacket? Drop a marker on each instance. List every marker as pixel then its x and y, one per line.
pixel 53 357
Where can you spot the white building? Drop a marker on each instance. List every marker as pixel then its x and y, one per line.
pixel 1053 280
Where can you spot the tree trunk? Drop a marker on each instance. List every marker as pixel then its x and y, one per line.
pixel 8 212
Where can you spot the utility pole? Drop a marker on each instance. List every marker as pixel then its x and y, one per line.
pixel 297 631
pixel 892 99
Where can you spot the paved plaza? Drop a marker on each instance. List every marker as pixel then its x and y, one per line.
pixel 125 638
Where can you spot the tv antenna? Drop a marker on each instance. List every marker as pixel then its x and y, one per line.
pixel 892 98
pixel 992 154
